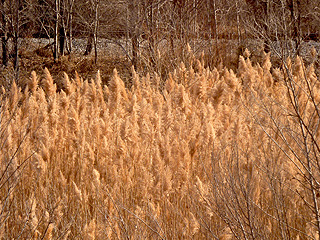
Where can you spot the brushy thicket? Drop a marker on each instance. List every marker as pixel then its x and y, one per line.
pixel 209 154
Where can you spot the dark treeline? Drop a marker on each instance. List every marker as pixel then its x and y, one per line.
pixel 177 21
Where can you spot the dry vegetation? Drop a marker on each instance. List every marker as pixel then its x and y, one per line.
pixel 207 154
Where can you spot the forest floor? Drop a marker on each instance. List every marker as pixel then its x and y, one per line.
pixel 36 54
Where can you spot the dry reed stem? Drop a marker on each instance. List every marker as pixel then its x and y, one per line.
pixel 215 154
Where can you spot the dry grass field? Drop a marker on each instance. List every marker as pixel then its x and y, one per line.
pixel 204 154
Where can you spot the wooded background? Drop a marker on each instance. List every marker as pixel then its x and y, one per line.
pixel 147 23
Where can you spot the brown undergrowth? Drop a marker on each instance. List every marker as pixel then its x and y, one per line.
pixel 210 154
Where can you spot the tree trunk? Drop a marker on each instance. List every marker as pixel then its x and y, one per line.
pixel 62 40
pixel 70 25
pixel 298 37
pixel 89 45
pixel 238 22
pixel 261 16
pixel 180 30
pixel 151 40
pixel 195 35
pixel 134 8
pixel 214 24
pixel 95 32
pixel 15 40
pixel 266 26
pixel 296 19
pixel 135 48
pixel 4 43
pixel 56 30
pixel 4 35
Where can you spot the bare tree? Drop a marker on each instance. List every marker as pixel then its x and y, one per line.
pixel 16 27
pixel 56 29
pixel 4 33
pixel 133 7
pixel 66 28
pixel 95 31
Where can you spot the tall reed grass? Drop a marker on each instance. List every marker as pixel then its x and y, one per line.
pixel 209 154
